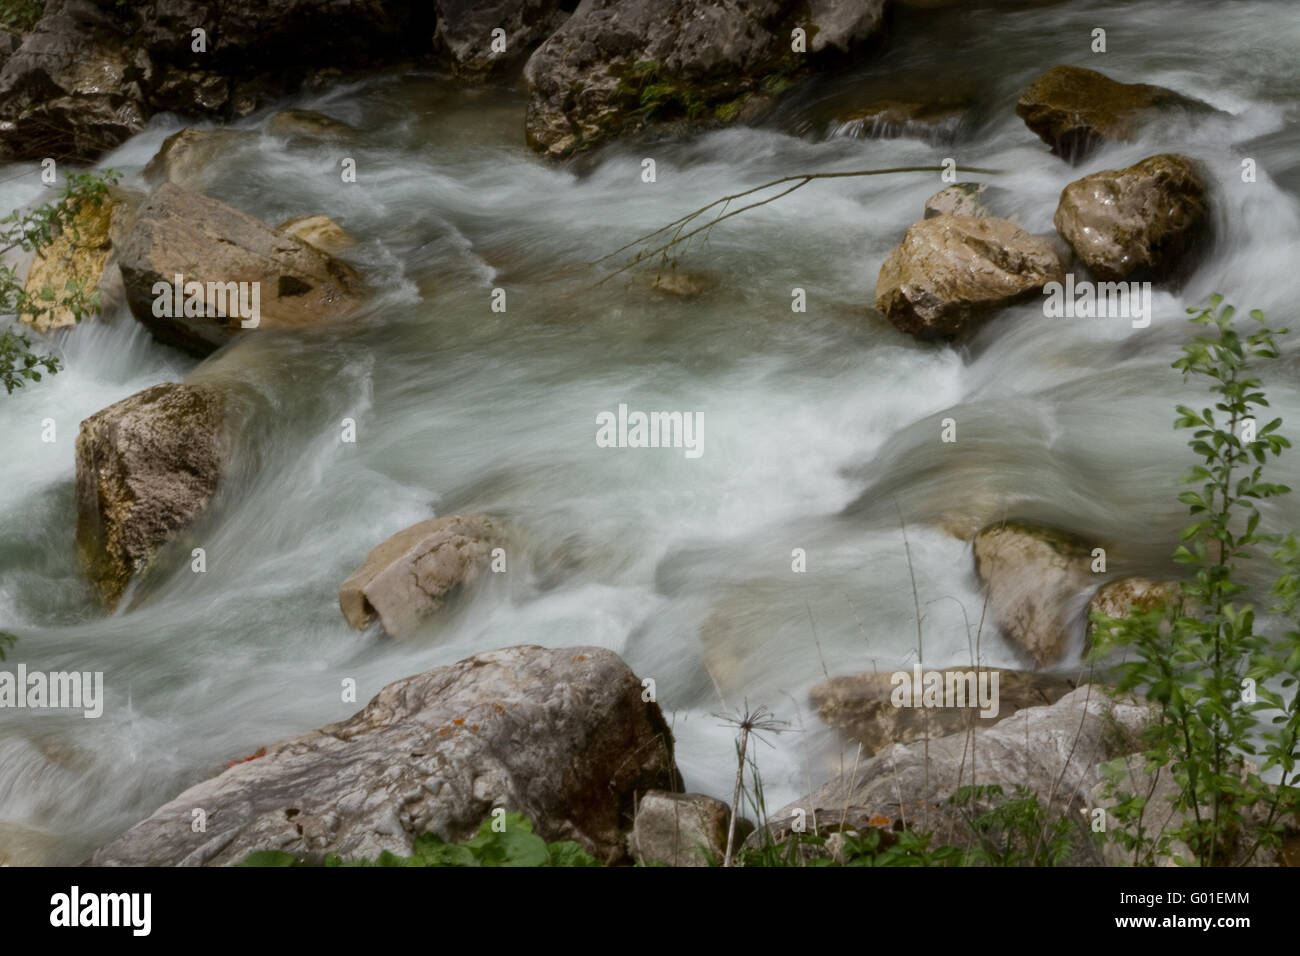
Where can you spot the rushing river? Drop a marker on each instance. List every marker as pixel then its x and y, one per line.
pixel 821 429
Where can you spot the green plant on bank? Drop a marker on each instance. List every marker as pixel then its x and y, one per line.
pixel 1200 659
pixel 506 841
pixel 657 96
pixel 7 641
pixel 19 16
pixel 32 230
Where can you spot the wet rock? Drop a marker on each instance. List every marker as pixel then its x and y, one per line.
pixel 1119 599
pixel 319 231
pixel 84 253
pixel 618 65
pixel 308 126
pixel 185 156
pixel 464 39
pixel 680 829
pixel 1140 221
pixel 407 578
pixel 180 232
pixel 1034 576
pixel 1055 750
pixel 861 708
pixel 960 199
pixel 1073 110
pixel 561 736
pixel 950 272
pixel 147 467
pixel 71 89
pixel 934 121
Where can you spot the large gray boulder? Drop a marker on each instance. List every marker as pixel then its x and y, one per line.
pixel 1074 110
pixel 147 467
pixel 618 65
pixel 407 578
pixel 181 232
pixel 950 273
pixel 1134 222
pixel 1035 577
pixel 1054 750
pixel 561 736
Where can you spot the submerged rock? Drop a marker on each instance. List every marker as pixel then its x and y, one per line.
pixel 561 736
pixel 950 272
pixel 861 706
pixel 618 65
pixel 147 467
pixel 180 232
pixel 960 199
pixel 310 126
pixel 1034 576
pixel 1138 221
pixel 1073 110
pixel 319 231
pixel 407 578
pixel 1119 599
pixel 186 155
pixel 681 829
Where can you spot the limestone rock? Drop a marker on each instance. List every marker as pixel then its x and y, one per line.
pixel 1073 109
pixel 950 272
pixel 960 199
pixel 861 708
pixel 407 577
pixel 680 829
pixel 180 232
pixel 1138 221
pixel 1033 576
pixel 147 467
pixel 319 231
pixel 561 736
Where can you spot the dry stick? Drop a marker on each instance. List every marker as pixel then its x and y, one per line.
pixel 800 180
pixel 920 652
pixel 813 625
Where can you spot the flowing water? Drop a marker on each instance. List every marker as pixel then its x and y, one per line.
pixel 821 429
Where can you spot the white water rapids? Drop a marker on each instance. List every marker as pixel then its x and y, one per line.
pixel 819 428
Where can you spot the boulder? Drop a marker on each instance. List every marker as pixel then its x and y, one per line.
pixel 186 155
pixel 950 272
pixel 319 231
pixel 1122 597
pixel 463 37
pixel 1055 750
pixel 1073 110
pixel 407 578
pixel 618 65
pixel 180 232
pixel 560 735
pixel 1034 576
pixel 960 199
pixel 85 253
pixel 147 467
pixel 91 72
pixel 308 126
pixel 860 707
pixel 679 829
pixel 71 90
pixel 1134 222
